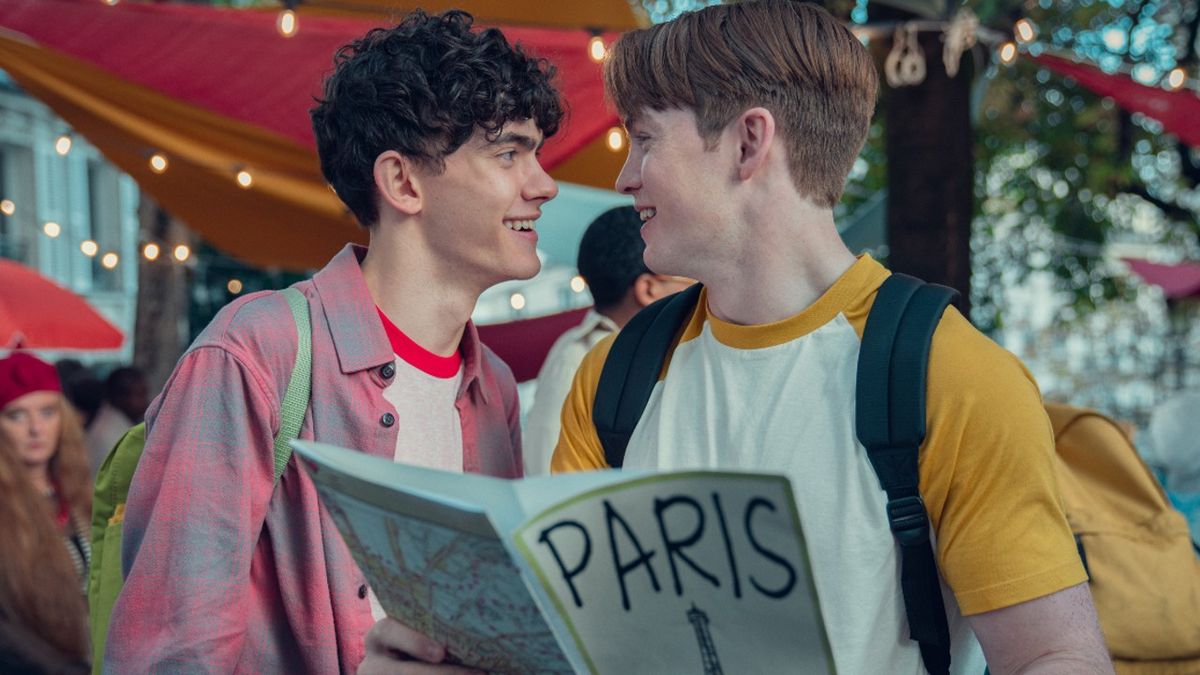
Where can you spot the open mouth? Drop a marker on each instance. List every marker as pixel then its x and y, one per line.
pixel 647 214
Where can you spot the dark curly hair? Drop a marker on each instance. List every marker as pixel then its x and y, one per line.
pixel 422 88
pixel 610 255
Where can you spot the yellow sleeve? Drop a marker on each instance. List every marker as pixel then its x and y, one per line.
pixel 987 476
pixel 578 446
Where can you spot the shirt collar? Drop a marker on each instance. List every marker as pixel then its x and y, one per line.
pixel 472 351
pixel 593 320
pixel 358 336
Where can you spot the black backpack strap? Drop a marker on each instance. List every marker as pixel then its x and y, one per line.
pixel 892 368
pixel 632 368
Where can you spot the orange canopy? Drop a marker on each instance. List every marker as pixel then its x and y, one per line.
pixel 219 91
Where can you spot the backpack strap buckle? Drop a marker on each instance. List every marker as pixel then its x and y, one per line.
pixel 908 519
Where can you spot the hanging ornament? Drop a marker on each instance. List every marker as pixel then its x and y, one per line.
pixel 905 65
pixel 959 37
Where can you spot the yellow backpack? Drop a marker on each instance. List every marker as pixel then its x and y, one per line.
pixel 1142 564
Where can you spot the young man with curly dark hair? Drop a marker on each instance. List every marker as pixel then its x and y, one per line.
pixel 429 132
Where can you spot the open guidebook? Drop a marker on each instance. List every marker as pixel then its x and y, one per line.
pixel 603 572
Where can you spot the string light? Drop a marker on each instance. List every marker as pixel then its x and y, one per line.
pixel 1008 53
pixel 89 248
pixel 1176 79
pixel 182 252
pixel 286 23
pixel 1025 31
pixel 63 145
pixel 158 162
pixel 150 251
pixel 517 301
pixel 7 207
pixel 244 179
pixel 597 50
pixel 578 284
pixel 51 229
pixel 615 139
pixel 110 3
pixel 110 260
pixel 234 286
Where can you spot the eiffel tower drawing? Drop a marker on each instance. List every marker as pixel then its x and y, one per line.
pixel 708 652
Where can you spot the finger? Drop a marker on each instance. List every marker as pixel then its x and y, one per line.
pixel 390 635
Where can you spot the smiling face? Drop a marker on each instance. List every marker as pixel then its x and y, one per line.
pixel 479 212
pixel 32 424
pixel 678 188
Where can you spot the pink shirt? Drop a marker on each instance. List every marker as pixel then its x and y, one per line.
pixel 225 574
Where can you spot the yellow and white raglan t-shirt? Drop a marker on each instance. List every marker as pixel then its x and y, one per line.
pixel 780 397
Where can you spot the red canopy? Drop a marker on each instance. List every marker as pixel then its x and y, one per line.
pixel 1177 281
pixel 234 63
pixel 1177 111
pixel 219 91
pixel 523 344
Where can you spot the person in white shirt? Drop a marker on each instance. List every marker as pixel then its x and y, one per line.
pixel 610 261
pixel 126 396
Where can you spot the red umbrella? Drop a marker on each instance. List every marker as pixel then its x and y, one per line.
pixel 37 313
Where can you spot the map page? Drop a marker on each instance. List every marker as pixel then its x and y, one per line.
pixel 606 572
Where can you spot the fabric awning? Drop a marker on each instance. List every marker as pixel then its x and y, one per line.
pixel 218 91
pixel 524 344
pixel 1177 111
pixel 1177 281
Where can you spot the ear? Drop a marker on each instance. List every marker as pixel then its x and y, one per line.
pixel 645 289
pixel 397 183
pixel 755 130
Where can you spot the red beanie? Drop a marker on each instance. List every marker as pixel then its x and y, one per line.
pixel 23 373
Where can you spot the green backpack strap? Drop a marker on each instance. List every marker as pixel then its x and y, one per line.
pixel 295 401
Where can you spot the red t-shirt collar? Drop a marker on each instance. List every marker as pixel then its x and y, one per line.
pixel 416 355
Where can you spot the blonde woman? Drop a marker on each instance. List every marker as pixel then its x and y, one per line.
pixel 40 430
pixel 43 615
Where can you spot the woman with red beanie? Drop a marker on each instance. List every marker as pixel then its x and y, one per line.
pixel 45 520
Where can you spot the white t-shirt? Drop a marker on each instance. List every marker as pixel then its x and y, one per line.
pixel 540 434
pixel 424 390
pixel 781 397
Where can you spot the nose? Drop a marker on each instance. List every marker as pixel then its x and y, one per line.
pixel 36 427
pixel 540 187
pixel 630 178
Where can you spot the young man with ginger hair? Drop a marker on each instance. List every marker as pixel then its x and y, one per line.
pixel 744 120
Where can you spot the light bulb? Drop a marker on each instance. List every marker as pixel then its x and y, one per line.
pixel 1008 53
pixel 597 49
pixel 615 140
pixel 286 23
